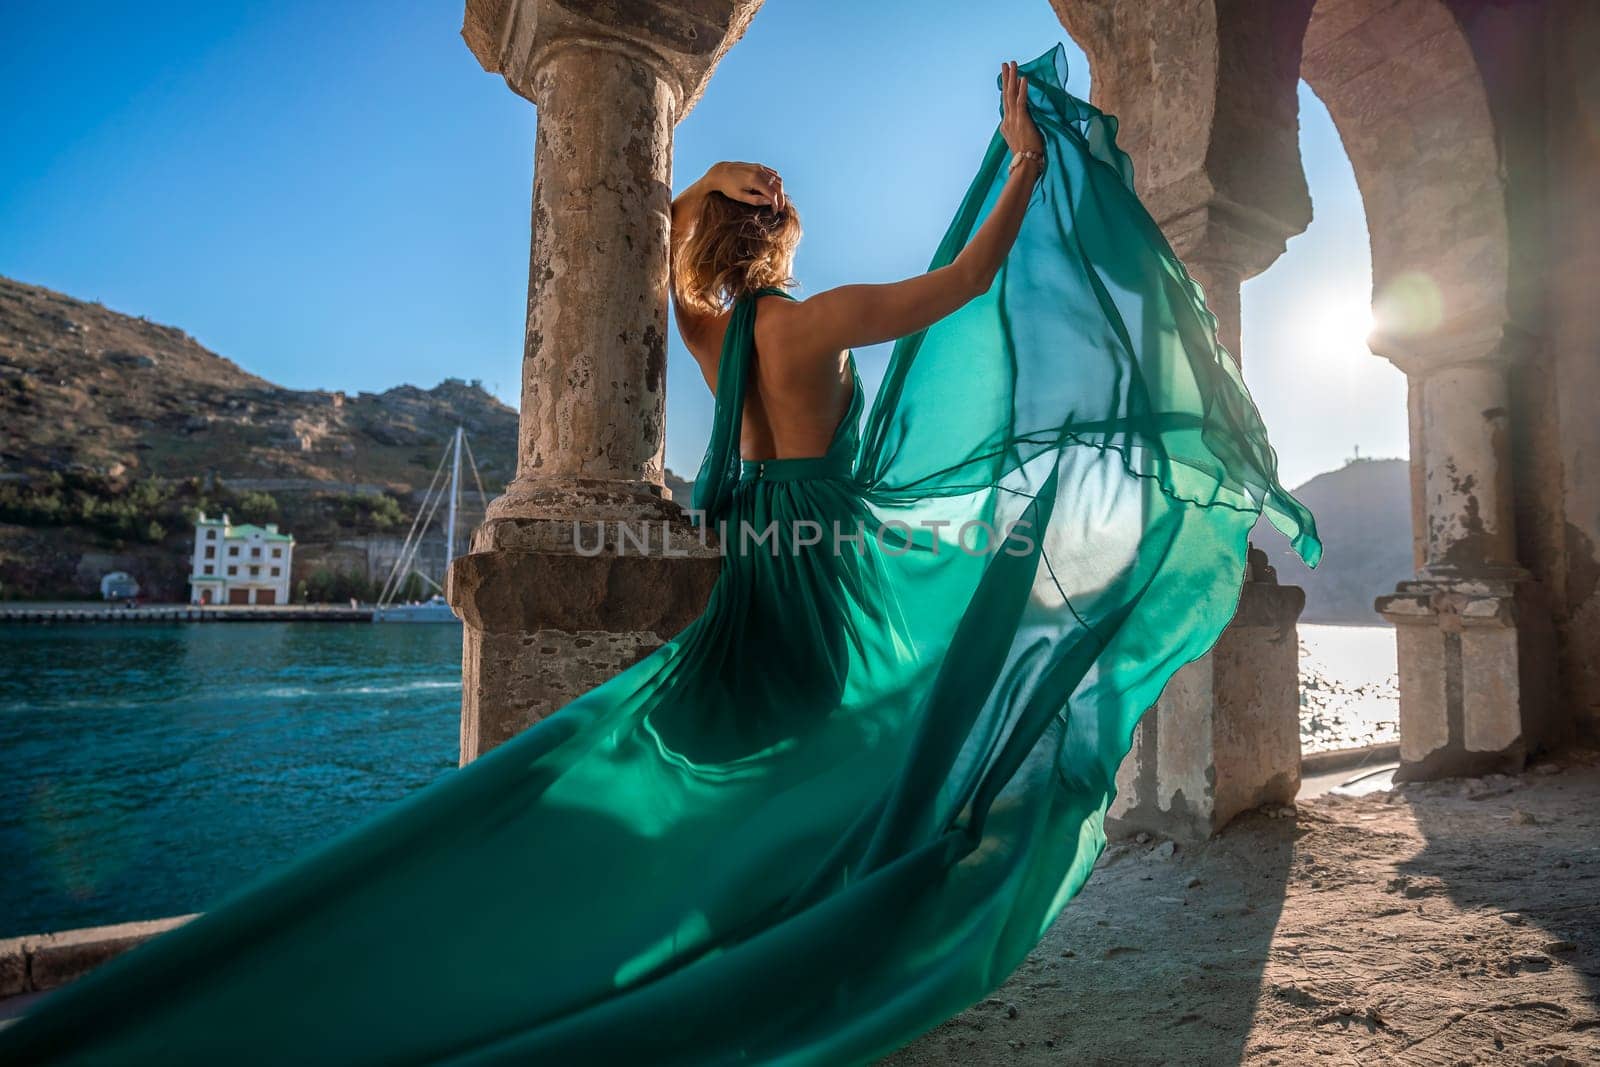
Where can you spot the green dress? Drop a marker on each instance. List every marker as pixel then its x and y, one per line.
pixel 847 801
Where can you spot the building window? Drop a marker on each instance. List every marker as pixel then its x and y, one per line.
pixel 255 572
pixel 255 553
pixel 209 568
pixel 232 569
pixel 211 535
pixel 211 552
pixel 275 572
pixel 277 553
pixel 233 550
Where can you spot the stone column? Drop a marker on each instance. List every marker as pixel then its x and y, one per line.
pixel 584 566
pixel 1206 96
pixel 1221 282
pixel 1224 737
pixel 1474 633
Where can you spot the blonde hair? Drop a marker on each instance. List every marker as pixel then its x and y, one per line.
pixel 736 248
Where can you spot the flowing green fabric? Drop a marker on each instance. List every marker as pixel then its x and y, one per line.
pixel 845 802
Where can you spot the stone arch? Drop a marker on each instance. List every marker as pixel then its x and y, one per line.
pixel 1405 91
pixel 1410 104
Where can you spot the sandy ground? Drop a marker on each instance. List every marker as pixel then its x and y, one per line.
pixel 1447 923
pixel 1452 922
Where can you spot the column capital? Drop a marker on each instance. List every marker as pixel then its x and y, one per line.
pixel 1486 339
pixel 1204 224
pixel 1206 97
pixel 681 43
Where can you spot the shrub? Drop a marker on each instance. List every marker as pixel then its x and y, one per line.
pixel 324 586
pixel 258 507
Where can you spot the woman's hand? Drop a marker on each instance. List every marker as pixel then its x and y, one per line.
pixel 1016 125
pixel 749 183
pixel 854 316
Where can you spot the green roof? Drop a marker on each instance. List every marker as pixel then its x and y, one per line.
pixel 250 530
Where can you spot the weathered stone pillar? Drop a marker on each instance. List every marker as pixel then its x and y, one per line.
pixel 1224 737
pixel 1205 94
pixel 1221 282
pixel 584 566
pixel 1476 643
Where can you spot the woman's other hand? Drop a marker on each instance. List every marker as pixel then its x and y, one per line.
pixel 1016 124
pixel 749 183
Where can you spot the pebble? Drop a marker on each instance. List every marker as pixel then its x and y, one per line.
pixel 1523 818
pixel 1142 838
pixel 1530 961
pixel 1165 850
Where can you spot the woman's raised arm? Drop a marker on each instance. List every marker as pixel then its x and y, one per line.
pixel 855 315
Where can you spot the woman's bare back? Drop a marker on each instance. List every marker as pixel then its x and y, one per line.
pixel 795 401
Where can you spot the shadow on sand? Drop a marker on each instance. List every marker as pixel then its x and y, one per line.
pixel 1158 961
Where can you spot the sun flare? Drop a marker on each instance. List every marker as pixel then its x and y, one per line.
pixel 1340 325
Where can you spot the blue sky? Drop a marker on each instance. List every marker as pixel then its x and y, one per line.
pixel 334 195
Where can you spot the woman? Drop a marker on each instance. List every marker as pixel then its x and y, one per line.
pixel 846 801
pixel 734 234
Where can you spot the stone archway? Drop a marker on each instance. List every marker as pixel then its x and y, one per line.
pixel 1205 90
pixel 1401 84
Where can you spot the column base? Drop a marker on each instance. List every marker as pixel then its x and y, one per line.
pixel 1224 737
pixel 1476 667
pixel 554 607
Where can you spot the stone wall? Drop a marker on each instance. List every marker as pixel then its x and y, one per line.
pixel 42 962
pixel 1572 275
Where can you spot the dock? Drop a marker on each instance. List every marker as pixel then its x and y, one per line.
pixel 86 611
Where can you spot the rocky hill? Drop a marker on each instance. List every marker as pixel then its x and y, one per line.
pixel 115 431
pixel 86 389
pixel 1363 512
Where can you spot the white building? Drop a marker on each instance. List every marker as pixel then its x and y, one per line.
pixel 239 564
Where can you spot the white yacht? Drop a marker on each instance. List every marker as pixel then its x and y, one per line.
pixel 435 608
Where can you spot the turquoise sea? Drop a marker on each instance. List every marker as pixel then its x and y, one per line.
pixel 150 768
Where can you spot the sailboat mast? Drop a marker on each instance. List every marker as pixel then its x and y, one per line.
pixel 455 491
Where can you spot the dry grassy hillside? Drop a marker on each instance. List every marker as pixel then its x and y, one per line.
pixel 85 388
